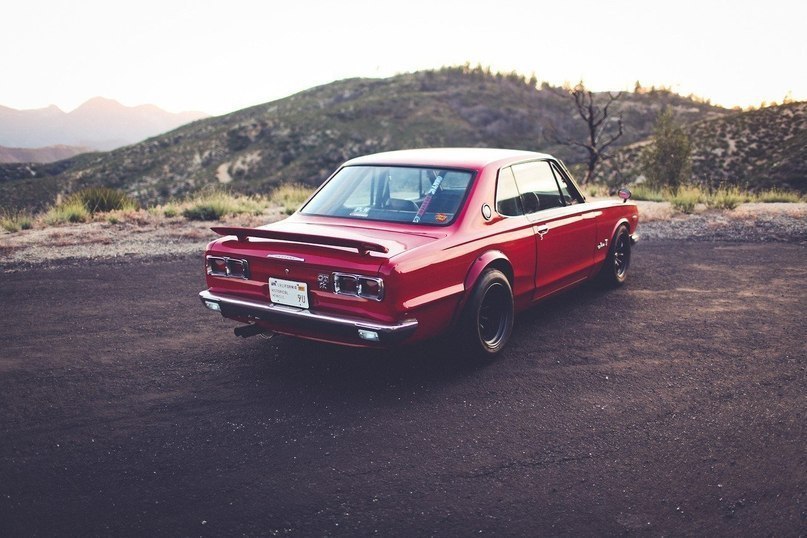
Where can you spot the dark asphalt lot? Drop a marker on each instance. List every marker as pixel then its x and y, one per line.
pixel 672 406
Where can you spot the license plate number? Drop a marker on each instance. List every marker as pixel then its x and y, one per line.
pixel 288 292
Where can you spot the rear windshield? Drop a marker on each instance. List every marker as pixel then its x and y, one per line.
pixel 430 196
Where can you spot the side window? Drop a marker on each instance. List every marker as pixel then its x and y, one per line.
pixel 569 193
pixel 508 202
pixel 537 185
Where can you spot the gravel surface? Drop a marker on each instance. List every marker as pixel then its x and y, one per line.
pixel 748 223
pixel 176 237
pixel 672 406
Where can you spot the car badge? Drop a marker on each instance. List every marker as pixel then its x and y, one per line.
pixel 323 281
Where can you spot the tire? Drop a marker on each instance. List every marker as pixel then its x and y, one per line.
pixel 487 321
pixel 614 271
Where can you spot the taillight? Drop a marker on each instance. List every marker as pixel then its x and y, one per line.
pixel 228 267
pixel 358 286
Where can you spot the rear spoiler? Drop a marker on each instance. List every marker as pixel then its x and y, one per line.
pixel 363 247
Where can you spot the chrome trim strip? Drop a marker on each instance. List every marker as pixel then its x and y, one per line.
pixel 285 257
pixel 289 313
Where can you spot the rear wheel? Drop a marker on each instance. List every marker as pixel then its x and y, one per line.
pixel 488 319
pixel 614 271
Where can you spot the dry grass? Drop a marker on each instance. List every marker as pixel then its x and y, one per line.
pixel 14 221
pixel 645 193
pixel 71 211
pixel 152 233
pixel 290 196
pixel 687 198
pixel 776 196
pixel 219 204
pixel 725 198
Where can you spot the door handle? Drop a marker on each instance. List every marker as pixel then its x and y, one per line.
pixel 542 230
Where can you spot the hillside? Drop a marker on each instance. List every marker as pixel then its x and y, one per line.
pixel 100 124
pixel 302 138
pixel 759 148
pixel 756 149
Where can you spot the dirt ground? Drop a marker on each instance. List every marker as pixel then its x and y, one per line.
pixel 674 405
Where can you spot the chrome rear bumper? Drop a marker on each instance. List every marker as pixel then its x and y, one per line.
pixel 310 324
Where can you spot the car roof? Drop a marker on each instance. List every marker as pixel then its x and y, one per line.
pixel 469 158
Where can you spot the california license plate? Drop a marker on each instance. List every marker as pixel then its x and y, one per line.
pixel 288 292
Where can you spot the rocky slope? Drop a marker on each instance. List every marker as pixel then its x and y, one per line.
pixel 303 137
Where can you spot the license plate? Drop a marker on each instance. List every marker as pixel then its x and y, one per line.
pixel 288 292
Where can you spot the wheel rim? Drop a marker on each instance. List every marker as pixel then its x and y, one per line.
pixel 494 314
pixel 621 255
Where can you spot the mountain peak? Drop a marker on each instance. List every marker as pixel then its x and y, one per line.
pixel 100 103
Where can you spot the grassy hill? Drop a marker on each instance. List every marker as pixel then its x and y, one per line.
pixel 302 138
pixel 753 150
pixel 756 149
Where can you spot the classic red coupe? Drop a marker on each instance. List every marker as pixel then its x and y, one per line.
pixel 402 246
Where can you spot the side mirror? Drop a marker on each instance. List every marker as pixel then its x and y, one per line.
pixel 624 194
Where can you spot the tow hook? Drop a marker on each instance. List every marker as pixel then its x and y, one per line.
pixel 245 331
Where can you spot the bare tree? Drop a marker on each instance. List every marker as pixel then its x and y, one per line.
pixel 601 133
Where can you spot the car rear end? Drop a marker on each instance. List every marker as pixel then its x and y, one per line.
pixel 323 285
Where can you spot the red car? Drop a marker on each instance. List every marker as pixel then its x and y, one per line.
pixel 403 246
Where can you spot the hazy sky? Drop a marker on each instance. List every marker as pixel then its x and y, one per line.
pixel 219 56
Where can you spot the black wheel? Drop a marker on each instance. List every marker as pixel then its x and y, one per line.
pixel 488 319
pixel 614 271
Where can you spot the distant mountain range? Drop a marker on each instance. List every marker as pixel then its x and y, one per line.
pixel 47 154
pixel 99 124
pixel 303 137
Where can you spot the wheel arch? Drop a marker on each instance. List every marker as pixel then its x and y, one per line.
pixel 621 222
pixel 494 259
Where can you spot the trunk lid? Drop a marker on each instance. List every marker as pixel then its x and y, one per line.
pixel 302 251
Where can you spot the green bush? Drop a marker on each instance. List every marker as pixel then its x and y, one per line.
pixel 685 199
pixel 217 205
pixel 72 210
pixel 725 198
pixel 16 221
pixel 170 211
pixel 667 161
pixel 103 200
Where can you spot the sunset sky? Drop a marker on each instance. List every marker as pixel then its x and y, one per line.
pixel 217 56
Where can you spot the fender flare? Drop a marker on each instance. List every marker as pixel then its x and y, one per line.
pixel 479 265
pixel 601 257
pixel 619 223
